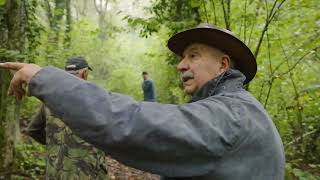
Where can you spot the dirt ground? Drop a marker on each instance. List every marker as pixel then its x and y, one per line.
pixel 118 171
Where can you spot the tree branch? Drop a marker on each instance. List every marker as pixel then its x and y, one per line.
pixel 106 5
pixel 297 96
pixel 96 6
pixel 214 12
pixel 294 52
pixel 245 21
pixel 205 10
pixel 261 90
pixel 271 72
pixel 49 13
pixel 277 10
pixel 225 14
pixel 272 76
pixel 298 138
pixel 252 26
pixel 269 19
pixel 84 7
pixel 298 61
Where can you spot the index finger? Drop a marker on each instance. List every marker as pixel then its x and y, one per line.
pixel 12 65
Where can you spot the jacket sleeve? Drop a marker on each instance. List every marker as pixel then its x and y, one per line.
pixel 171 140
pixel 36 128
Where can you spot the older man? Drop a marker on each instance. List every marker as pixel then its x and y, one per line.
pixel 68 156
pixel 223 133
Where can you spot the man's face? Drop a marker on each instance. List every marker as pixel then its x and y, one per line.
pixel 199 64
pixel 145 76
pixel 82 73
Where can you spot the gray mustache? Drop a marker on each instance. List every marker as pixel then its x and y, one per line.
pixel 187 74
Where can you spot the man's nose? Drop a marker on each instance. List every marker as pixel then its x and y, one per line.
pixel 183 65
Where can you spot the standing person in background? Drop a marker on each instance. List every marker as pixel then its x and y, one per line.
pixel 149 91
pixel 68 156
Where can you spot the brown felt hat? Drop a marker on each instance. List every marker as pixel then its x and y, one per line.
pixel 221 39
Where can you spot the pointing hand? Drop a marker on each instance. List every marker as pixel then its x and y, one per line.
pixel 24 73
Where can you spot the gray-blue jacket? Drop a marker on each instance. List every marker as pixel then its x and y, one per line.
pixel 223 134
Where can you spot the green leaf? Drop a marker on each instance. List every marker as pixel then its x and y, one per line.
pixel 312 88
pixel 195 3
pixel 297 172
pixel 2 2
pixel 313 165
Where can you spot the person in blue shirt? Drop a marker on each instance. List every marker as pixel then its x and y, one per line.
pixel 149 91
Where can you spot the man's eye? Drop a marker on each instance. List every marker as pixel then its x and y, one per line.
pixel 192 55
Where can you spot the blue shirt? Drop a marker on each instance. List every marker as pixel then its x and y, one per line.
pixel 149 92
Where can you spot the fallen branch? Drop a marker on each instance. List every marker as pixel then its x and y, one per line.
pixel 298 138
pixel 298 61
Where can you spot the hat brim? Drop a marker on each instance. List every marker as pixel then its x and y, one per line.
pixel 236 49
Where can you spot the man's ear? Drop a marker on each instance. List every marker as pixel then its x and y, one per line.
pixel 85 74
pixel 225 63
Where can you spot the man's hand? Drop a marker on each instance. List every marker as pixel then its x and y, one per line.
pixel 23 75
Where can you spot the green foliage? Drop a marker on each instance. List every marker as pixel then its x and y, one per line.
pixel 177 15
pixel 296 173
pixel 10 54
pixel 29 108
pixel 30 160
pixel 33 31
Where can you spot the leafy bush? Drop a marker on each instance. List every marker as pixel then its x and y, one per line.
pixel 30 160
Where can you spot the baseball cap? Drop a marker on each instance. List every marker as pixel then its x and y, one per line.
pixel 76 63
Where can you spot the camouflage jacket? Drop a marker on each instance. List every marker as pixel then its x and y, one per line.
pixel 68 156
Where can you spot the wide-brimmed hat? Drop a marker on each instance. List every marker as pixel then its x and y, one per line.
pixel 221 39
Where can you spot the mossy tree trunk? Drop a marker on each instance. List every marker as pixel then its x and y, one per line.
pixel 12 39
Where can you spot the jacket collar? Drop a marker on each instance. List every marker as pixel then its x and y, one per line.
pixel 230 81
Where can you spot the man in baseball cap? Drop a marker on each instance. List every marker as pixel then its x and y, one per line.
pixel 74 65
pixel 223 133
pixel 82 160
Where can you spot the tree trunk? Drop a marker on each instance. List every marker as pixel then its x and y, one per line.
pixel 67 40
pixel 101 9
pixel 12 37
pixel 55 13
pixel 57 17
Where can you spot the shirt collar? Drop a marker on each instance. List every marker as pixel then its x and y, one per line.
pixel 229 81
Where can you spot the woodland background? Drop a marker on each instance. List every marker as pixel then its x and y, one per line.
pixel 122 38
